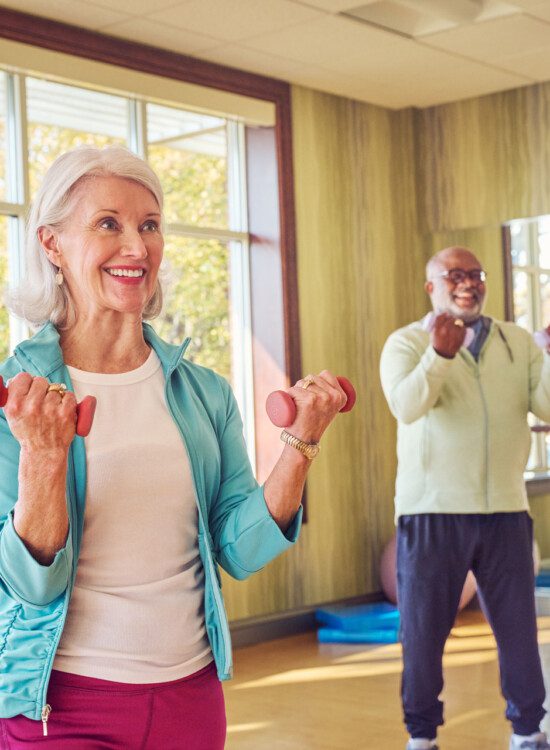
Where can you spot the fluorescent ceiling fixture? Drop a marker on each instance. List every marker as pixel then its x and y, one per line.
pixel 415 18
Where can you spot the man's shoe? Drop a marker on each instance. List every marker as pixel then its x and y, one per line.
pixel 538 741
pixel 421 744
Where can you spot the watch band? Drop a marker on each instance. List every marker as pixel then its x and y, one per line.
pixel 309 450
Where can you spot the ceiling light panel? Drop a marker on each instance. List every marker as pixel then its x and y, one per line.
pixel 417 18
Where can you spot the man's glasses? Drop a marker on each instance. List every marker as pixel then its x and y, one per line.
pixel 458 275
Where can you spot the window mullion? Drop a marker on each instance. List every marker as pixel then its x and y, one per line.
pixel 137 127
pixel 241 315
pixel 18 180
pixel 18 191
pixel 205 233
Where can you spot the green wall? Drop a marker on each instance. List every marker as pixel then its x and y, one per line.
pixel 377 193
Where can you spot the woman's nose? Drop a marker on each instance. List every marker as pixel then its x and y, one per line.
pixel 134 246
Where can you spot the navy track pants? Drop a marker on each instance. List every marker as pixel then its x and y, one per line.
pixel 434 553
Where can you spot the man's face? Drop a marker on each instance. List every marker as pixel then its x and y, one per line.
pixel 462 297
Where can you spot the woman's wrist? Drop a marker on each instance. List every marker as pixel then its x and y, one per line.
pixel 307 449
pixel 51 456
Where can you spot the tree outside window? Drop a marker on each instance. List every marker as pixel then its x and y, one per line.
pixel 189 151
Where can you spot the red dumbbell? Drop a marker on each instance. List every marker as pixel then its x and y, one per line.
pixel 85 410
pixel 281 408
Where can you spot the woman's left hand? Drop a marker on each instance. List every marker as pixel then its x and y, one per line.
pixel 318 400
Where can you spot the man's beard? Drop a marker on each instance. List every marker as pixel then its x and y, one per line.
pixel 468 316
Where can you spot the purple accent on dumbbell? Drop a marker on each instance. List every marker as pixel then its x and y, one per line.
pixel 281 409
pixel 85 410
pixel 542 338
pixel 428 324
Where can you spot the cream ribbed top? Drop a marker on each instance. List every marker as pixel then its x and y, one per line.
pixel 136 613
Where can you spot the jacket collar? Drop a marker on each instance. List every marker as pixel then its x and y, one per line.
pixel 169 354
pixel 42 353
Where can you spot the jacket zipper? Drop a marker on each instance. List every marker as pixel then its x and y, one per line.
pixel 486 441
pixel 215 588
pixel 46 708
pixel 46 711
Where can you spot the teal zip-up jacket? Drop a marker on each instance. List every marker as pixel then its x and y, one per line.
pixel 462 438
pixel 235 528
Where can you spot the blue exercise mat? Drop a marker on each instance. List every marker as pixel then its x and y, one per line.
pixel 333 635
pixel 543 579
pixel 360 618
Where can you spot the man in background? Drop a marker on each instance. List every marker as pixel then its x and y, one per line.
pixel 461 400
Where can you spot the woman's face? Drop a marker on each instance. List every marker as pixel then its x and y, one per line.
pixel 110 247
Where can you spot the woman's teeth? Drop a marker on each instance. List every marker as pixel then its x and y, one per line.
pixel 125 272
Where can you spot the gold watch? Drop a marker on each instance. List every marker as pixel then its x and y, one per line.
pixel 309 450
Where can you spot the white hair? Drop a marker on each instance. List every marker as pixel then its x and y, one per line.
pixel 38 298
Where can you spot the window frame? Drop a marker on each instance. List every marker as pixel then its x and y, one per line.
pixel 538 483
pixel 276 150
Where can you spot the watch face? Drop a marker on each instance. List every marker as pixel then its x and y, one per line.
pixel 312 451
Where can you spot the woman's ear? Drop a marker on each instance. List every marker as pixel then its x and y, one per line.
pixel 48 238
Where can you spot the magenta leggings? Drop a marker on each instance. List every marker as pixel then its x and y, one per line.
pixel 90 714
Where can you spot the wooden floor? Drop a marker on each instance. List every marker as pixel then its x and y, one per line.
pixel 295 694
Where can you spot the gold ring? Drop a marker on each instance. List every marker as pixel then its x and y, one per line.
pixel 308 380
pixel 60 388
pixel 459 322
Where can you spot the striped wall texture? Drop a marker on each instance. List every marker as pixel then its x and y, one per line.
pixel 377 193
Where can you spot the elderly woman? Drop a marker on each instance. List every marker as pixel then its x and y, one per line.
pixel 113 632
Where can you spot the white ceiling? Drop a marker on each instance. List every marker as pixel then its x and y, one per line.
pixel 496 46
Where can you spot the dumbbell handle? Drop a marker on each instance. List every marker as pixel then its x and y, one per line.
pixel 281 408
pixel 85 410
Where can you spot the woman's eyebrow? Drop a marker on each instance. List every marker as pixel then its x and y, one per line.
pixel 114 211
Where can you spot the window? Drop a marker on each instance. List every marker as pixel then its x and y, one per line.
pixel 527 247
pixel 61 117
pixel 200 161
pixel 259 234
pixel 3 155
pixel 4 322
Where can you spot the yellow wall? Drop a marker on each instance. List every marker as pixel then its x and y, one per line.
pixel 377 192
pixel 540 510
pixel 360 271
pixel 482 162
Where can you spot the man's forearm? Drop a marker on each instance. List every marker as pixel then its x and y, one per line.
pixel 411 393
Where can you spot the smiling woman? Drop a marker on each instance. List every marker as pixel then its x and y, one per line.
pixel 109 254
pixel 109 548
pixel 84 206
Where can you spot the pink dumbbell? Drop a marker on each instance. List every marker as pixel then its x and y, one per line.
pixel 542 338
pixel 281 408
pixel 85 410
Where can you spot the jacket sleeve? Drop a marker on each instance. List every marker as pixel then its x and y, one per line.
pixel 539 382
pixel 24 578
pixel 411 381
pixel 245 536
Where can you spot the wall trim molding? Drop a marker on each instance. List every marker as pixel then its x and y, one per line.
pixel 39 31
pixel 252 630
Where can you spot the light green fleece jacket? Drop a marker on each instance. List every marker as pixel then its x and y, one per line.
pixel 463 439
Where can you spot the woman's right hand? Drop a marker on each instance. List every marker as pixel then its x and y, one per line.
pixel 41 421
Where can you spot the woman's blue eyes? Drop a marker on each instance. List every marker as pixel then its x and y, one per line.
pixel 149 226
pixel 108 224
